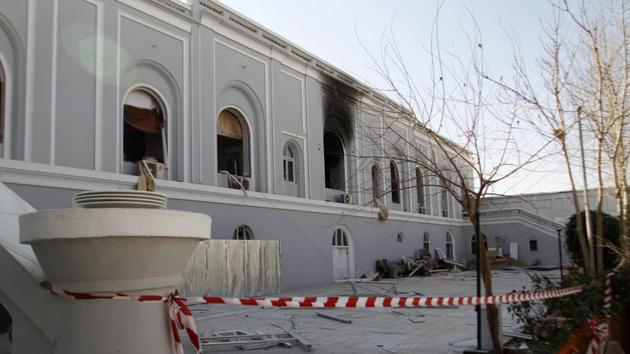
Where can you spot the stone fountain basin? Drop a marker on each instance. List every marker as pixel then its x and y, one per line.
pixel 127 250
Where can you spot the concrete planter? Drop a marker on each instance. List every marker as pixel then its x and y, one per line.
pixel 114 249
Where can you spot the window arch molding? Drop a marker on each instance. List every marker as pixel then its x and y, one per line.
pixel 166 110
pixel 239 96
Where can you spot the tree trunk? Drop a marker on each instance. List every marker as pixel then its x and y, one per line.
pixel 492 310
pixel 599 216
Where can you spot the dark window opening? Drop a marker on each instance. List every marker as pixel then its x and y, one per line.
pixel 232 145
pixel 395 181
pixel 244 233
pixel 422 209
pixel 334 162
pixel 400 237
pixel 340 239
pixel 533 245
pixel 144 133
pixel 288 164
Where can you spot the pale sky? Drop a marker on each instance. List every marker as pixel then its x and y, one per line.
pixel 334 31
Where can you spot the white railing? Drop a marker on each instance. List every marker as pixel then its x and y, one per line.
pixel 523 213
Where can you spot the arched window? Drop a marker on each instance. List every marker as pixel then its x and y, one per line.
pixel 340 239
pixel 450 246
pixel 144 132
pixel 376 183
pixel 444 198
pixel 400 237
pixel 243 232
pixel 395 181
pixel 422 209
pixel 288 163
pixel 232 144
pixel 426 242
pixel 334 165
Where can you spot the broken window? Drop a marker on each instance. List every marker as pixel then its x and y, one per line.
pixel 243 232
pixel 533 245
pixel 144 133
pixel 232 144
pixel 426 242
pixel 420 191
pixel 340 239
pixel 376 183
pixel 288 163
pixel 334 162
pixel 395 182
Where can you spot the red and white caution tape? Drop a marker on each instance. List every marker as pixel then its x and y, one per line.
pixel 387 301
pixel 600 331
pixel 179 314
pixel 181 317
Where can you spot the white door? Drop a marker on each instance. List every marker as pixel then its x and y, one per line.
pixel 514 250
pixel 340 255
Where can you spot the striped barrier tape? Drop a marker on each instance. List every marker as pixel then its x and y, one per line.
pixel 181 317
pixel 600 331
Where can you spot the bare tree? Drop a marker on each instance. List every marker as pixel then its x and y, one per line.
pixel 470 139
pixel 586 75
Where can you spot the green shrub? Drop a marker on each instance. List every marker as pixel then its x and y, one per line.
pixel 611 237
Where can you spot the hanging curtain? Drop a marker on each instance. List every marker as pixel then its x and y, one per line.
pixel 146 120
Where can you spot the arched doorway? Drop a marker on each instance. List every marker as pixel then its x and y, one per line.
pixel 342 254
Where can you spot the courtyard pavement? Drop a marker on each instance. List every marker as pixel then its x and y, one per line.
pixel 385 330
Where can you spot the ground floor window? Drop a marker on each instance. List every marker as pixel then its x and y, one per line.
pixel 243 232
pixel 426 242
pixel 533 245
